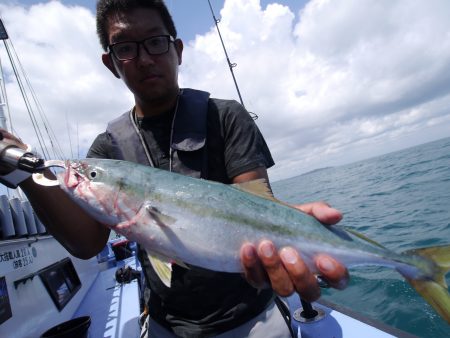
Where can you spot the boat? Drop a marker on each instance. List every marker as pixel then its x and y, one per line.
pixel 43 286
pixel 47 292
pixel 44 290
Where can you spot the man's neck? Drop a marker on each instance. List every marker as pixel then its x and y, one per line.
pixel 156 107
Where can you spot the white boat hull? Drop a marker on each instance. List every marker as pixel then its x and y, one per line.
pixel 33 310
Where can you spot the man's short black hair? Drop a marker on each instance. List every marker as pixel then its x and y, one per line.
pixel 106 7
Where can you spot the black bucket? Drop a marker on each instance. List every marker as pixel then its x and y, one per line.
pixel 74 328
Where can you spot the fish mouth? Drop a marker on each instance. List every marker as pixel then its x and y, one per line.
pixel 73 176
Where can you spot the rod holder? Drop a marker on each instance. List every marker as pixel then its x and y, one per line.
pixel 307 314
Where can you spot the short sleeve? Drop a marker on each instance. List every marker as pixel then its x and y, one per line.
pixel 244 146
pixel 101 147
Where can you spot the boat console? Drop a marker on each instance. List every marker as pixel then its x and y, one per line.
pixel 43 286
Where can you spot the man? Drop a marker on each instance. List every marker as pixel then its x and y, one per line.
pixel 187 132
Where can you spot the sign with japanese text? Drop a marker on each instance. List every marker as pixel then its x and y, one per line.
pixel 17 258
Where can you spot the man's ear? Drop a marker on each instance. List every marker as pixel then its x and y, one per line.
pixel 179 48
pixel 109 63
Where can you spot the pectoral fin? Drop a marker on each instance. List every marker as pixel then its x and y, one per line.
pixel 159 218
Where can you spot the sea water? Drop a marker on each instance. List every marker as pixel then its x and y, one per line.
pixel 402 201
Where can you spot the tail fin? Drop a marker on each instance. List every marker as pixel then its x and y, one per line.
pixel 434 290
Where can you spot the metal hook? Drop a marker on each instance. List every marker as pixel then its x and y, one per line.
pixel 52 163
pixel 39 177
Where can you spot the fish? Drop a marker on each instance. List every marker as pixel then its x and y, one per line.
pixel 195 222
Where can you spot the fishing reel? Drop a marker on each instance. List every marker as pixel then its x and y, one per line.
pixel 14 157
pixel 17 163
pixel 125 275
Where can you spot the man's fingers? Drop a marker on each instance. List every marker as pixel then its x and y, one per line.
pixel 253 269
pixel 322 211
pixel 334 273
pixel 287 272
pixel 271 261
pixel 303 280
pixel 8 137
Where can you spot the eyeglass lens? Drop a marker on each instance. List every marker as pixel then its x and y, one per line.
pixel 129 50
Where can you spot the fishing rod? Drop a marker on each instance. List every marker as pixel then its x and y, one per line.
pixel 30 104
pixel 230 65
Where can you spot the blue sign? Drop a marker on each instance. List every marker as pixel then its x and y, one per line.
pixel 5 307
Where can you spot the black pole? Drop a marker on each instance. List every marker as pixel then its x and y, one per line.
pixel 230 65
pixel 308 311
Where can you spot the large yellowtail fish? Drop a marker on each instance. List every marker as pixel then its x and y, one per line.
pixel 191 221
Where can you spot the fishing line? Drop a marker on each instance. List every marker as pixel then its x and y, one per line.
pixel 57 151
pixel 230 65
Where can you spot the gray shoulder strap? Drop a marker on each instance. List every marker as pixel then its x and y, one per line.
pixel 127 142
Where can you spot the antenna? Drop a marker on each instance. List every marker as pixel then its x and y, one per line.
pixel 3 97
pixel 230 65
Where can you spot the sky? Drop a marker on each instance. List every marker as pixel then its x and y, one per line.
pixel 333 82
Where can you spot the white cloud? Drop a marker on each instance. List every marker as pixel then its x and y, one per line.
pixel 338 78
pixel 337 82
pixel 58 48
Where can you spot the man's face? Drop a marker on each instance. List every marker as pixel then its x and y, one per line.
pixel 149 77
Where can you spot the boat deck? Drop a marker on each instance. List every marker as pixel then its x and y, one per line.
pixel 113 307
pixel 338 322
pixel 114 310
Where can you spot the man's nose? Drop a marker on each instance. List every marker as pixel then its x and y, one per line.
pixel 144 55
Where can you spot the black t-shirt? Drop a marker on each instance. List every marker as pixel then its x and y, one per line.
pixel 201 302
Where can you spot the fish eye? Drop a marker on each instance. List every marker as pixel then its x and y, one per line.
pixel 92 174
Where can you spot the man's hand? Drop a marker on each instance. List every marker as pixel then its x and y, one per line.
pixel 285 271
pixel 8 138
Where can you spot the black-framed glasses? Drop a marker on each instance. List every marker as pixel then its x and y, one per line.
pixel 128 50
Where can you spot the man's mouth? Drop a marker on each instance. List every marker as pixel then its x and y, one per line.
pixel 150 77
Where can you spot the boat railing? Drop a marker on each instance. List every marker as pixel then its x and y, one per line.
pixel 18 221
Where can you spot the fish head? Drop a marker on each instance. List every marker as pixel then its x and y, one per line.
pixel 87 183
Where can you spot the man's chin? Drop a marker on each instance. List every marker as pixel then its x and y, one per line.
pixel 155 95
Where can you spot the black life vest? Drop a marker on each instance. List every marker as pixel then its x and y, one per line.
pixel 187 137
pixel 189 157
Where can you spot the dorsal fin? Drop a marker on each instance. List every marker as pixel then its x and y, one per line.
pixel 258 187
